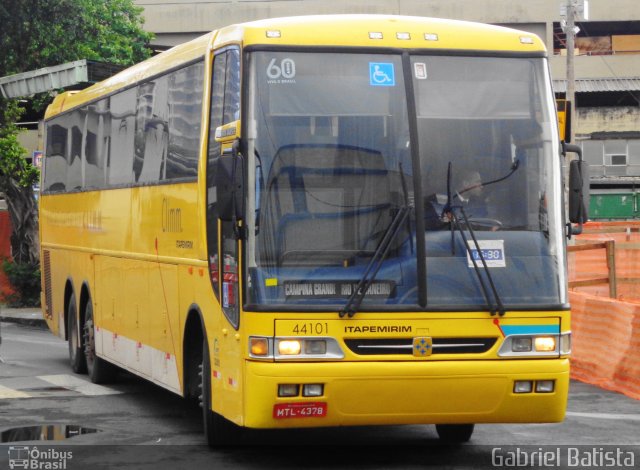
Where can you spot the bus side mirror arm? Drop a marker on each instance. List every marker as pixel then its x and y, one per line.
pixel 578 190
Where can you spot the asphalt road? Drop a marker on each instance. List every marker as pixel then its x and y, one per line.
pixel 139 425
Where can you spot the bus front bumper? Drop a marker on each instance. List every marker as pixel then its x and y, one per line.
pixel 430 392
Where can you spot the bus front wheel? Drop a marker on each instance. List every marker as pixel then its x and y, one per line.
pixel 454 433
pixel 218 431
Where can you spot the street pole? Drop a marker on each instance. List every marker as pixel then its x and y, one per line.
pixel 571 93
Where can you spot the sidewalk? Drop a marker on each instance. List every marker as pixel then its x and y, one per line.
pixel 25 316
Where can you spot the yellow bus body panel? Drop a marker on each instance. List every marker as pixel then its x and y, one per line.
pixel 353 31
pixel 403 389
pixel 435 392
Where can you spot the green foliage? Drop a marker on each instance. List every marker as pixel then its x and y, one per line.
pixel 13 166
pixel 41 33
pixel 25 280
pixel 113 32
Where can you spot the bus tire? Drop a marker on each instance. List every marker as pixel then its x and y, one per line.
pixel 76 350
pixel 99 370
pixel 218 431
pixel 454 433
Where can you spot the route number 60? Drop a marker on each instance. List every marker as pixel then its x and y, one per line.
pixel 286 69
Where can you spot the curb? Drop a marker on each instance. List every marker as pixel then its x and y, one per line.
pixel 34 319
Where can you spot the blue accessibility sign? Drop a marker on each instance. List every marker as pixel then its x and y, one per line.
pixel 381 74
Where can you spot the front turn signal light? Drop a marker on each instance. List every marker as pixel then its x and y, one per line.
pixel 259 347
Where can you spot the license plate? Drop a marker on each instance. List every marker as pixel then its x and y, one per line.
pixel 300 410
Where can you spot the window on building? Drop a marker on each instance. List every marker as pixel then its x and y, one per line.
pixel 618 159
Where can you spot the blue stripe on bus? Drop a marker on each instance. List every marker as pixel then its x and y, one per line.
pixel 530 329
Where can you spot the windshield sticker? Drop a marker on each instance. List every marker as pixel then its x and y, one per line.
pixel 420 70
pixel 281 72
pixel 492 251
pixel 381 74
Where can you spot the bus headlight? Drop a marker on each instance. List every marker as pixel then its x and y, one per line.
pixel 315 346
pixel 290 347
pixel 533 345
pixel 521 344
pixel 545 343
pixel 295 348
pixel 307 349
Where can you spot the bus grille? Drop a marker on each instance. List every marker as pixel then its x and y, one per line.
pixel 404 346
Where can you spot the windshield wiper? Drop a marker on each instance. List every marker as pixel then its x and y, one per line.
pixel 259 192
pixel 450 210
pixel 371 271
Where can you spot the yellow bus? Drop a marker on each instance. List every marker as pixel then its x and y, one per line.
pixel 317 221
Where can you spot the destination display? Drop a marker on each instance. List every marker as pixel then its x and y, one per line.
pixel 330 289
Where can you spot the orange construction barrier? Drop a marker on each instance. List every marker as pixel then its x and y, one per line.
pixel 604 279
pixel 606 343
pixel 593 264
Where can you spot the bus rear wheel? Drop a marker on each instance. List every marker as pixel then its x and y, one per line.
pixel 99 370
pixel 454 433
pixel 76 351
pixel 218 431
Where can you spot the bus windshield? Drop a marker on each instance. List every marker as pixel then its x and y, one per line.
pixel 333 159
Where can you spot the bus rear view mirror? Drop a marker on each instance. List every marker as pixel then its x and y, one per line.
pixel 230 185
pixel 578 191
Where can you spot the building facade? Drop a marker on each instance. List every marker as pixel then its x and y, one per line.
pixel 606 64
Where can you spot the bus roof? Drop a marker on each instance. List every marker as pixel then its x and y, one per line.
pixel 382 31
pixel 167 60
pixel 354 31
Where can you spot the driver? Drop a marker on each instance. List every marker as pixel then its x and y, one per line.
pixel 471 195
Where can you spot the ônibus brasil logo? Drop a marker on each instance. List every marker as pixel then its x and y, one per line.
pixel 36 459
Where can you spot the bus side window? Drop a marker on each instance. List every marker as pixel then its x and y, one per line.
pixel 55 175
pixel 74 163
pixel 225 108
pixel 213 153
pixel 229 255
pixel 122 117
pixel 231 111
pixel 152 134
pixel 185 109
pixel 97 144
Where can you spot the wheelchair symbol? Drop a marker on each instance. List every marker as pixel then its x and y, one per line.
pixel 381 74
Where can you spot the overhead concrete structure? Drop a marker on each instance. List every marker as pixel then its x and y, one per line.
pixel 70 74
pixel 176 21
pixel 606 64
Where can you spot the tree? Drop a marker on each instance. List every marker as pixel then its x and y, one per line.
pixel 41 33
pixel 17 178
